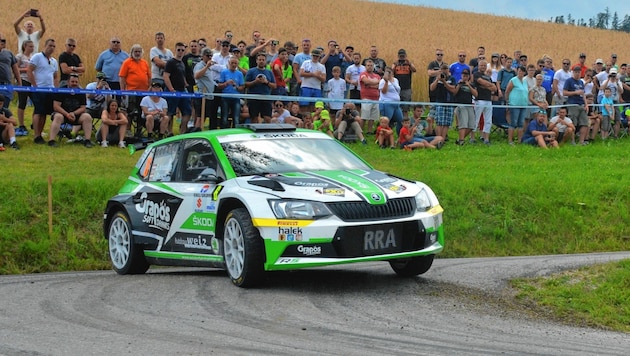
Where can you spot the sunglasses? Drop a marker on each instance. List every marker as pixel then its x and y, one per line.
pixel 462 55
pixel 70 45
pixel 225 45
pixel 439 54
pixel 566 64
pixel 180 50
pixel 115 41
pixel 202 44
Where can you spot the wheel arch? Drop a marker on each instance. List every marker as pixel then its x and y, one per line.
pixel 225 206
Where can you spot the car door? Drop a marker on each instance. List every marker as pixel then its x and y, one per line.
pixel 197 180
pixel 156 204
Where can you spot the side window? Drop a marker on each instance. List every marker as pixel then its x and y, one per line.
pixel 164 163
pixel 198 159
pixel 144 164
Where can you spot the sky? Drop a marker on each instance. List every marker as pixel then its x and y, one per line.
pixel 529 9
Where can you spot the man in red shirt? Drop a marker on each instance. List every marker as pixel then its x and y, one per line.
pixel 278 67
pixel 369 91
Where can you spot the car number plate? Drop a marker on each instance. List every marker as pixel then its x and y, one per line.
pixel 379 239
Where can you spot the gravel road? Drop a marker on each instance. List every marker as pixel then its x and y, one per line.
pixel 457 308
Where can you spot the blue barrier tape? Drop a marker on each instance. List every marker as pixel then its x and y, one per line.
pixel 283 98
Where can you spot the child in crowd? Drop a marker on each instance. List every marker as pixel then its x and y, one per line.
pixel 384 134
pixel 337 87
pixel 607 112
pixel 594 116
pixel 407 141
pixel 323 123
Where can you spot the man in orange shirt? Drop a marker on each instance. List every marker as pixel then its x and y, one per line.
pixel 135 74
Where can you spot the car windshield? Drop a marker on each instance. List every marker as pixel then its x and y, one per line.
pixel 263 156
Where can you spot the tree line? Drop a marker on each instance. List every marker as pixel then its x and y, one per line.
pixel 602 20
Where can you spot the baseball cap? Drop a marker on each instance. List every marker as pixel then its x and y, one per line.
pixel 324 115
pixel 319 105
pixel 582 55
pixel 156 85
pixel 599 61
pixel 612 70
pixel 101 75
pixel 402 51
pixel 316 52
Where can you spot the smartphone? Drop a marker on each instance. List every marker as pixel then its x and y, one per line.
pixel 34 12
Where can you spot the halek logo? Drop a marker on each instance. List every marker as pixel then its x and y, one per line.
pixel 290 234
pixel 309 250
pixel 205 188
pixel 157 215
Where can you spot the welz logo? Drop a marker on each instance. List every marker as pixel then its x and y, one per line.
pixel 309 250
pixel 379 240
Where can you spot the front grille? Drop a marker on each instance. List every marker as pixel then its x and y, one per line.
pixel 362 211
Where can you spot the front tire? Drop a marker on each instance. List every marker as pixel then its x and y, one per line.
pixel 126 256
pixel 414 266
pixel 242 249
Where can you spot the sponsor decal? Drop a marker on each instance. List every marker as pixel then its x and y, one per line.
pixel 396 188
pixel 214 242
pixel 211 207
pixel 375 197
pixel 200 221
pixel 379 240
pixel 156 214
pixel 203 192
pixel 334 192
pixel 197 242
pixel 285 260
pixel 309 250
pixel 290 234
pixel 216 191
pixel 284 135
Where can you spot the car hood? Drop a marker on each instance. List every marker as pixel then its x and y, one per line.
pixel 373 187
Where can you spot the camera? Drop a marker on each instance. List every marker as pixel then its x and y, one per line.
pixel 275 43
pixel 348 111
pixel 34 12
pixel 442 76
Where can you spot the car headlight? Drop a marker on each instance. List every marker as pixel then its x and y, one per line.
pixel 423 202
pixel 299 209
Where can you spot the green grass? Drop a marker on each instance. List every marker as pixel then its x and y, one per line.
pixel 498 200
pixel 597 296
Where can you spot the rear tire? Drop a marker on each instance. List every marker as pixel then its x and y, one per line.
pixel 414 266
pixel 243 250
pixel 126 256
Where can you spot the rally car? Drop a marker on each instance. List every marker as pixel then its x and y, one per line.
pixel 267 197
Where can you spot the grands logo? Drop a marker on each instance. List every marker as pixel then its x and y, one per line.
pixel 156 215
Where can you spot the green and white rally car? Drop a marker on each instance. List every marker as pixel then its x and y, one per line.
pixel 265 198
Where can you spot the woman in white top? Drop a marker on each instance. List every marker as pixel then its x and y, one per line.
pixel 495 66
pixel 389 92
pixel 22 61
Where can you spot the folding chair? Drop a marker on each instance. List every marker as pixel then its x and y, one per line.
pixel 499 121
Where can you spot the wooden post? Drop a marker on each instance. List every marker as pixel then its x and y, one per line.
pixel 50 216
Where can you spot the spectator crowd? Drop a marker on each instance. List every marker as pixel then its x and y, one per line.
pixel 337 89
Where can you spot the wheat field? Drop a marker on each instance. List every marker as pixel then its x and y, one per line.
pixel 361 24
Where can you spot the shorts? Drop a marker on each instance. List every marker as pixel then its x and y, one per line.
pixel 465 117
pixel 182 103
pixel 42 103
pixel 256 107
pixel 578 115
pixel 309 93
pixel 606 123
pixel 282 91
pixel 24 95
pixel 403 144
pixel 355 94
pixel 370 112
pixel 443 115
pixel 530 141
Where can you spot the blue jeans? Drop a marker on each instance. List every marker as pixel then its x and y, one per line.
pixel 394 114
pixel 233 104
